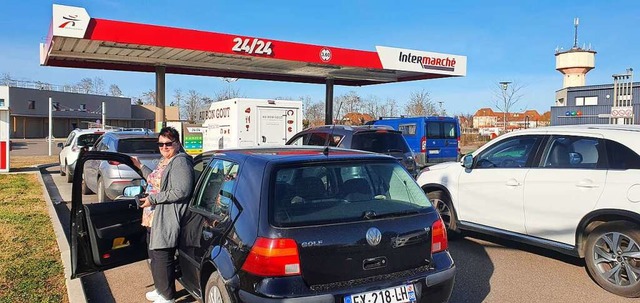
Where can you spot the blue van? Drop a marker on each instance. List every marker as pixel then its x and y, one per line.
pixel 432 139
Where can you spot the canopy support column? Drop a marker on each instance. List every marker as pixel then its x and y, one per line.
pixel 328 105
pixel 160 100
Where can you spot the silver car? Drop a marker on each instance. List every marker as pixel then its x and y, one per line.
pixel 109 178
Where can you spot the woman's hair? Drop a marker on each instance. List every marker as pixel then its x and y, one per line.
pixel 170 133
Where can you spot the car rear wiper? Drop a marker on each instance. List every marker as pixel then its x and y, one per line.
pixel 370 214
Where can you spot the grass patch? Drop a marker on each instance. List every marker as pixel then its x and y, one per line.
pixel 30 265
pixel 31 161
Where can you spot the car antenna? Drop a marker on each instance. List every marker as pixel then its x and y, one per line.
pixel 330 137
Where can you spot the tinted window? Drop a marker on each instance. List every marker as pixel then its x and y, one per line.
pixel 433 130
pixel 217 192
pixel 299 140
pixel 509 153
pixel 379 142
pixel 139 146
pixel 342 193
pixel 622 157
pixel 449 130
pixel 318 139
pixel 87 140
pixel 70 139
pixel 573 152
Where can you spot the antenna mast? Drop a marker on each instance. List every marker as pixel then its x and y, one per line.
pixel 576 21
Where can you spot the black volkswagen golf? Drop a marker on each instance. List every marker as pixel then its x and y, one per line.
pixel 284 225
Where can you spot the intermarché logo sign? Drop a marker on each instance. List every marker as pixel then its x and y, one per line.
pixel 446 64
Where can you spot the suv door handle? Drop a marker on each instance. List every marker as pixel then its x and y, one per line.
pixel 587 184
pixel 512 182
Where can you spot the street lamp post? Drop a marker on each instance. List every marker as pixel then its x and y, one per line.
pixel 504 85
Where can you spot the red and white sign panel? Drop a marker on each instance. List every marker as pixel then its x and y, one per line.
pixel 622 112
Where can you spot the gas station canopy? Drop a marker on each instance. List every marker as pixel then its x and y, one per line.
pixel 77 40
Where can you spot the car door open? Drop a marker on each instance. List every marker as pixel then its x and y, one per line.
pixel 104 235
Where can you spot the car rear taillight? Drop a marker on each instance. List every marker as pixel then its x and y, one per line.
pixel 458 145
pixel 423 144
pixel 273 258
pixel 438 237
pixel 111 162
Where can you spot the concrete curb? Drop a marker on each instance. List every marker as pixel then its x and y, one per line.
pixel 74 287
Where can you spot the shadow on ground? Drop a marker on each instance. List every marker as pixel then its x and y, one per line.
pixel 95 286
pixel 474 270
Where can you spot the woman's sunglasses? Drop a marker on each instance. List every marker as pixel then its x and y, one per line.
pixel 165 144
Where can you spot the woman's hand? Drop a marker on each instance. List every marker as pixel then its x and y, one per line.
pixel 136 162
pixel 145 202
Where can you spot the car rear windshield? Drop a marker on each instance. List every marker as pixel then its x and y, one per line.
pixel 138 146
pixel 379 142
pixel 343 192
pixel 88 139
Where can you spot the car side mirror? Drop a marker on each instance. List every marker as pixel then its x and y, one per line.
pixel 467 161
pixel 61 145
pixel 132 191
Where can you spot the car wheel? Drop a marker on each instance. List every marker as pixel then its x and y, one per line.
pixel 85 189
pixel 215 290
pixel 613 257
pixel 62 169
pixel 68 173
pixel 102 195
pixel 442 203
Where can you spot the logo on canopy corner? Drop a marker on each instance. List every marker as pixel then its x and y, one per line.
pixel 70 21
pixel 325 54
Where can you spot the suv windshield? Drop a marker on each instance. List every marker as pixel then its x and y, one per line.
pixel 379 142
pixel 88 139
pixel 344 192
pixel 138 146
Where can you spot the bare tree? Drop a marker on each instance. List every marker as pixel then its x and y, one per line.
pixel 371 106
pixel 420 104
pixel 192 106
pixel 390 108
pixel 315 114
pixel 6 79
pixel 85 85
pixel 98 86
pixel 506 95
pixel 114 90
pixel 177 98
pixel 149 97
pixel 228 92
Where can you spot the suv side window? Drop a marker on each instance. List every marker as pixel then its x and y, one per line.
pixel 299 140
pixel 510 153
pixel 217 193
pixel 573 152
pixel 621 157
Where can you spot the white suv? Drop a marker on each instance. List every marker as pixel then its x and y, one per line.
pixel 77 139
pixel 573 189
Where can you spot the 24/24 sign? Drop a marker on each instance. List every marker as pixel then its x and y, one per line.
pixel 252 46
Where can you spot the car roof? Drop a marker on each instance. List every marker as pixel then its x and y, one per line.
pixel 131 134
pixel 628 135
pixel 290 154
pixel 341 129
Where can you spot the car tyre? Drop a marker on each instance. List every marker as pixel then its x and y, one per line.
pixel 68 173
pixel 215 290
pixel 612 257
pixel 63 169
pixel 85 189
pixel 102 194
pixel 442 203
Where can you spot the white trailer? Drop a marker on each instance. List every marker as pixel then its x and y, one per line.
pixel 241 122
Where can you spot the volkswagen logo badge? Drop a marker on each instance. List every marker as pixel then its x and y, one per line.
pixel 373 236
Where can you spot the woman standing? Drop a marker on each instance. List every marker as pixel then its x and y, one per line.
pixel 172 182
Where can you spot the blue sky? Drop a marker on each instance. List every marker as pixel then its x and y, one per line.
pixel 503 40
